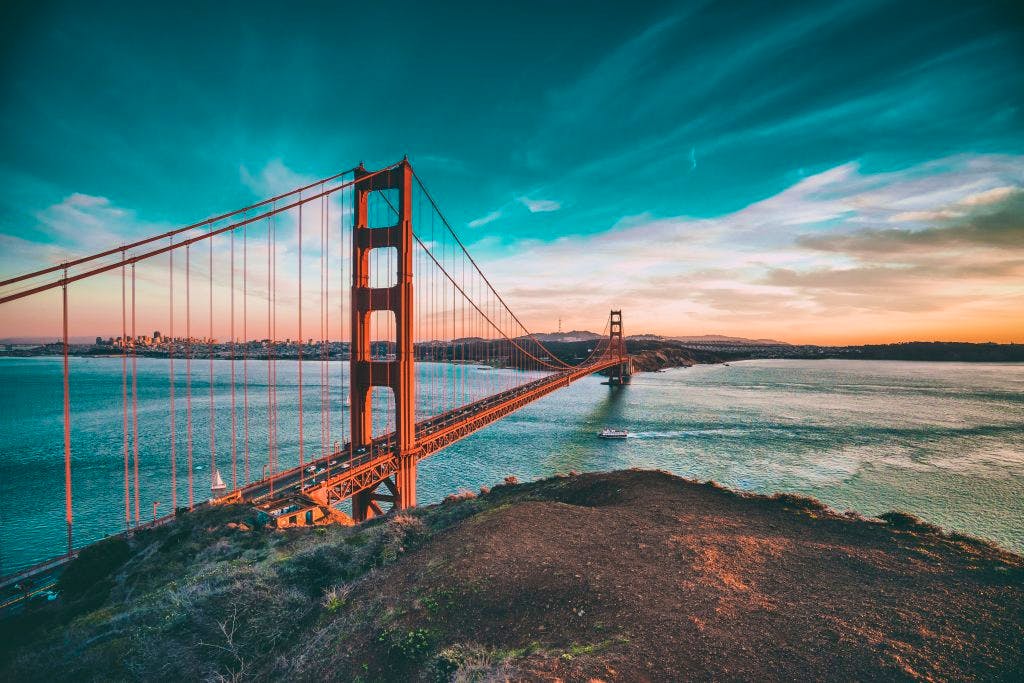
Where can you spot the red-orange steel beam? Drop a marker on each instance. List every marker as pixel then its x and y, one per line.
pixel 67 426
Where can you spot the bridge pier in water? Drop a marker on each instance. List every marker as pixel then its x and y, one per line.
pixel 398 375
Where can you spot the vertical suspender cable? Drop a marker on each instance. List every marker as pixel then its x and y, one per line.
pixel 434 338
pixel 270 362
pixel 272 407
pixel 462 335
pixel 67 420
pixel 372 257
pixel 323 335
pixel 326 260
pixel 234 414
pixel 323 415
pixel 273 341
pixel 188 370
pixel 321 322
pixel 341 318
pixel 213 424
pixel 135 403
pixel 299 347
pixel 170 364
pixel 392 334
pixel 245 348
pixel 124 394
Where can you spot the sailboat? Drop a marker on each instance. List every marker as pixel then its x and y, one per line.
pixel 218 483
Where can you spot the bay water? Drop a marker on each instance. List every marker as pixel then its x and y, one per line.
pixel 944 441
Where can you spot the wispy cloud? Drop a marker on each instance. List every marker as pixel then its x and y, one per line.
pixel 819 261
pixel 989 225
pixel 539 205
pixel 273 179
pixel 484 220
pixel 83 223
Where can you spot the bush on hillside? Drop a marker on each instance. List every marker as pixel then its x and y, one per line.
pixel 93 564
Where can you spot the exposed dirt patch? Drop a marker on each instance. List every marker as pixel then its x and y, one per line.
pixel 644 576
pixel 623 576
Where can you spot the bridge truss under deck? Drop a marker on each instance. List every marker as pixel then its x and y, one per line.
pixel 347 472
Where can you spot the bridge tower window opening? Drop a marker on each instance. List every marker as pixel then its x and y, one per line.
pixel 383 267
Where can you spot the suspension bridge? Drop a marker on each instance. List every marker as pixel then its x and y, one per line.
pixel 360 266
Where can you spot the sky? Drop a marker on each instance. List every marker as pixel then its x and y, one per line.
pixel 845 172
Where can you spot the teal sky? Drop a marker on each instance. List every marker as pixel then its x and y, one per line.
pixel 747 168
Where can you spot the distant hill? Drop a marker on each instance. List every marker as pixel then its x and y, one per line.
pixel 722 339
pixel 53 339
pixel 573 336
pixel 710 339
pixel 586 335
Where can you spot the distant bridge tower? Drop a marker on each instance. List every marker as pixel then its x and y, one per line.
pixel 398 374
pixel 621 373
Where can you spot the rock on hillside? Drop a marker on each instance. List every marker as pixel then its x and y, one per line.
pixel 658 359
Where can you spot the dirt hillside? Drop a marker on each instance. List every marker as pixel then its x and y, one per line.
pixel 624 576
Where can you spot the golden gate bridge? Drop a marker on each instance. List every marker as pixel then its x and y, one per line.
pixel 393 288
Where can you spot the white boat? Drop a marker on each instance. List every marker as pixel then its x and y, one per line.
pixel 218 483
pixel 613 433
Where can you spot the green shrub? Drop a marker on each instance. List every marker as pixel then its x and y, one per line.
pixel 337 597
pixel 94 563
pixel 409 647
pixel 908 522
pixel 797 502
pixel 314 569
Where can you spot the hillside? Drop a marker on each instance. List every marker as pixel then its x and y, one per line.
pixel 632 575
pixel 719 339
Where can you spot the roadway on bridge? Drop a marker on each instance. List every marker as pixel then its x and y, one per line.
pixel 317 472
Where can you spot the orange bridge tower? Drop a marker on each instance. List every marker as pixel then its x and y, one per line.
pixel 621 373
pixel 397 374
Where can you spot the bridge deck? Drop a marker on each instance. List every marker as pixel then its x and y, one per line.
pixel 345 472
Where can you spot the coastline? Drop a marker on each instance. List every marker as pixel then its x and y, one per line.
pixel 649 353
